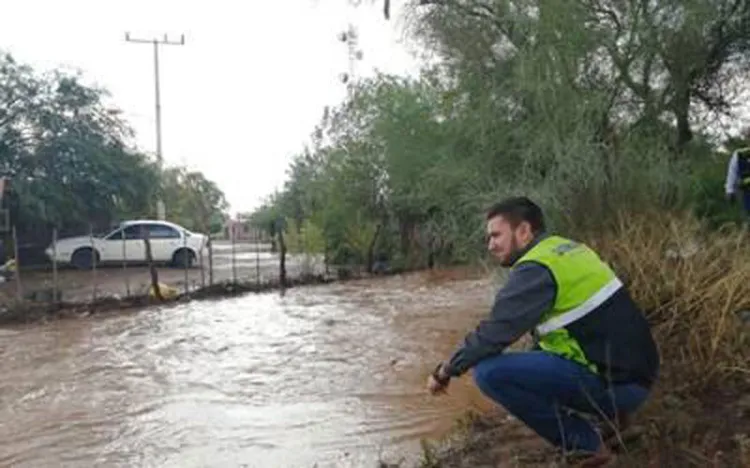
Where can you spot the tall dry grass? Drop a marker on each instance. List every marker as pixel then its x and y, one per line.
pixel 692 282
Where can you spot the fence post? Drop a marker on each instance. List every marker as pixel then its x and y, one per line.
pixel 153 272
pixel 282 260
pixel 93 263
pixel 19 287
pixel 187 261
pixel 210 261
pixel 257 257
pixel 305 260
pixel 234 259
pixel 200 263
pixel 55 286
pixel 125 262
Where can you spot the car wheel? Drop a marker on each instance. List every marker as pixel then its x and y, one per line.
pixel 183 258
pixel 84 259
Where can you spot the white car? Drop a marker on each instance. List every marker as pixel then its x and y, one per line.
pixel 170 243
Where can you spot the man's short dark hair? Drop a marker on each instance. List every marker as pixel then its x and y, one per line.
pixel 517 210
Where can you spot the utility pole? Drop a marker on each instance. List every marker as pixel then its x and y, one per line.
pixel 161 211
pixel 156 43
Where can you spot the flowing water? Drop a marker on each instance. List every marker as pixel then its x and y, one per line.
pixel 331 375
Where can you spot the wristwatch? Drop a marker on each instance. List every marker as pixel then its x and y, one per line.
pixel 436 375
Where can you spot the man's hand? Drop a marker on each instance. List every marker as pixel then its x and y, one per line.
pixel 438 381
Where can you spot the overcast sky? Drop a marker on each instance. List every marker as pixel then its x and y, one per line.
pixel 243 94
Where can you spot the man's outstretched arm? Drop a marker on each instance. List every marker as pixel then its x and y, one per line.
pixel 519 305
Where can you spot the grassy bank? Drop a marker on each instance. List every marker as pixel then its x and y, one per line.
pixel 694 284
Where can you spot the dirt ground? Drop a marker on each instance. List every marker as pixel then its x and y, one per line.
pixel 710 430
pixel 245 263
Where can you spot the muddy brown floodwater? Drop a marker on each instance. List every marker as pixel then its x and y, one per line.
pixel 332 375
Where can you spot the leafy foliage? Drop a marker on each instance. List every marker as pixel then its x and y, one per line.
pixel 195 202
pixel 592 107
pixel 69 163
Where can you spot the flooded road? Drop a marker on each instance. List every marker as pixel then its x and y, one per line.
pixel 332 375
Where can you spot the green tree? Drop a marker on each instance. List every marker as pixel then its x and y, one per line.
pixel 71 165
pixel 66 153
pixel 192 200
pixel 590 106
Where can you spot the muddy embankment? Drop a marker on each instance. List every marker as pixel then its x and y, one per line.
pixel 41 304
pixel 27 311
pixel 238 269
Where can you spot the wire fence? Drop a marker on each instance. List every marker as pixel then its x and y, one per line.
pixel 91 268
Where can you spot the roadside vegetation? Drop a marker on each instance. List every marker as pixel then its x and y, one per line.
pixel 618 118
pixel 71 164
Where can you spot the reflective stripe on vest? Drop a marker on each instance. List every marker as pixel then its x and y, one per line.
pixel 560 321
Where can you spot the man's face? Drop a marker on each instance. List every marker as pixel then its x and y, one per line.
pixel 503 241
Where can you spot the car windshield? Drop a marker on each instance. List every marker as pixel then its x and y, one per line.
pixel 112 234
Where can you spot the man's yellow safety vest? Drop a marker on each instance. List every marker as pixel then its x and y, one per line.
pixel 584 283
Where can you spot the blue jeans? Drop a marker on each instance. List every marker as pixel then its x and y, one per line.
pixel 536 387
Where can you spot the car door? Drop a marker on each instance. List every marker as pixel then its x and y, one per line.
pixel 125 244
pixel 165 240
pixel 134 250
pixel 110 247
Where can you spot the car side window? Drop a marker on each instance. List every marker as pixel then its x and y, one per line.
pixel 160 231
pixel 132 232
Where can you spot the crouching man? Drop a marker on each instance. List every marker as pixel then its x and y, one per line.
pixel 593 354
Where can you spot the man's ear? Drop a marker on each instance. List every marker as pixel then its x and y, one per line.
pixel 524 231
